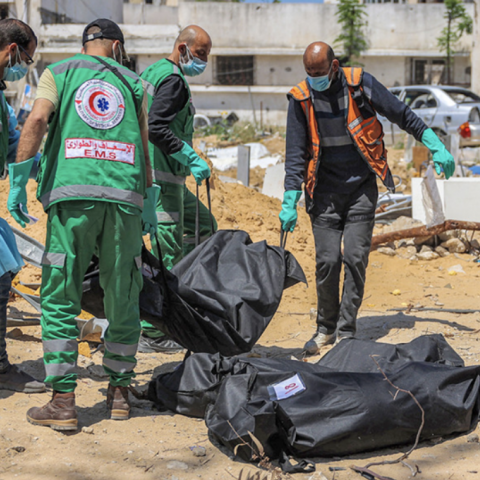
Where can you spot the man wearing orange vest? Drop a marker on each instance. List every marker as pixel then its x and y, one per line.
pixel 335 147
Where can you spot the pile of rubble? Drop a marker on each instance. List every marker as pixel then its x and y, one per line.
pixel 429 247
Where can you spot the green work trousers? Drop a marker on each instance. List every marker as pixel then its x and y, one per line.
pixel 176 210
pixel 75 231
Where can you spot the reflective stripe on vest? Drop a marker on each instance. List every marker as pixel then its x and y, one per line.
pixel 83 158
pixel 91 65
pixel 149 88
pixel 92 191
pixel 367 134
pixel 168 177
pixel 117 366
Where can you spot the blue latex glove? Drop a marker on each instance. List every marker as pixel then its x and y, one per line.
pixel 149 213
pixel 19 173
pixel 441 156
pixel 187 156
pixel 288 215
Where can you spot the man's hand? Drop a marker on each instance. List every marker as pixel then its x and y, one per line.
pixel 149 214
pixel 19 173
pixel 288 215
pixel 199 167
pixel 442 158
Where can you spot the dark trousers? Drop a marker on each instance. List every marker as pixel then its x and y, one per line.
pixel 351 217
pixel 5 284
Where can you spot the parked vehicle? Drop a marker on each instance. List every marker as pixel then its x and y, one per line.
pixel 446 110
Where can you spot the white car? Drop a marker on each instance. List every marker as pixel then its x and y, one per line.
pixel 446 110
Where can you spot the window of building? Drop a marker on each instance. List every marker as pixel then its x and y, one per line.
pixel 237 70
pixel 428 71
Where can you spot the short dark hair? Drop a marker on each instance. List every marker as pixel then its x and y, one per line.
pixel 15 31
pixel 105 42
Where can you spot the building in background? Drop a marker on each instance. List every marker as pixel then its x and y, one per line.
pixel 257 48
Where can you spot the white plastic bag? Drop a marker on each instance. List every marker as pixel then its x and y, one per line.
pixel 432 203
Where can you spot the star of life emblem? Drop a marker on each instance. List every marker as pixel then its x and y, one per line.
pixel 100 104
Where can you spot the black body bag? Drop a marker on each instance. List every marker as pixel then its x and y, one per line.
pixel 219 298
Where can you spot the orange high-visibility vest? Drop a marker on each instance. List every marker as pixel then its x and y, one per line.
pixel 367 134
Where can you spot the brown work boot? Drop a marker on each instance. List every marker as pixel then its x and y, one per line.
pixel 59 413
pixel 117 402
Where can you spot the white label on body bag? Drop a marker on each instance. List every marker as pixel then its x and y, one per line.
pixel 286 389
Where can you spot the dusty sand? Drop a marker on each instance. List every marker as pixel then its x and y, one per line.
pixel 143 446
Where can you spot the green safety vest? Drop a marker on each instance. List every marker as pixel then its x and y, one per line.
pixel 3 133
pixel 165 167
pixel 94 148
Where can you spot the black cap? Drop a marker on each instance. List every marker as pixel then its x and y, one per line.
pixel 108 29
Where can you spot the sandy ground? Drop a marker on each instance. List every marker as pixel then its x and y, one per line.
pixel 145 446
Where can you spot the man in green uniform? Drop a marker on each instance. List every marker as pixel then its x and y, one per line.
pixel 92 181
pixel 170 125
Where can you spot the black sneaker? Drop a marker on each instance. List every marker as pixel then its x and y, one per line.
pixel 18 381
pixel 159 345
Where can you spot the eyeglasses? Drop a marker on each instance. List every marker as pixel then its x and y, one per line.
pixel 30 59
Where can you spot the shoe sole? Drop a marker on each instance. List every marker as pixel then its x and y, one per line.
pixel 24 390
pixel 119 415
pixel 61 425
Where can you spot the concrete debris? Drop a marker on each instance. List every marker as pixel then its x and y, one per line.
pixel 444 236
pixel 177 465
pixel 473 438
pixel 427 240
pixel 405 242
pixel 225 158
pixel 425 248
pixel 423 231
pixel 454 245
pixel 427 255
pixel 386 251
pixel 198 451
pixel 402 223
pixel 97 371
pixel 88 430
pixel 443 252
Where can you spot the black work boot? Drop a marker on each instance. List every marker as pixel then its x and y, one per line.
pixel 18 381
pixel 118 403
pixel 59 413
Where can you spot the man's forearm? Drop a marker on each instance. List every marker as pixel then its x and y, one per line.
pixel 30 139
pixel 34 130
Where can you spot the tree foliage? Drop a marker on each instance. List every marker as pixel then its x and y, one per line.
pixel 353 18
pixel 458 23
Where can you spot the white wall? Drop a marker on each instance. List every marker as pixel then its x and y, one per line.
pixel 84 11
pixel 149 14
pixel 392 28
